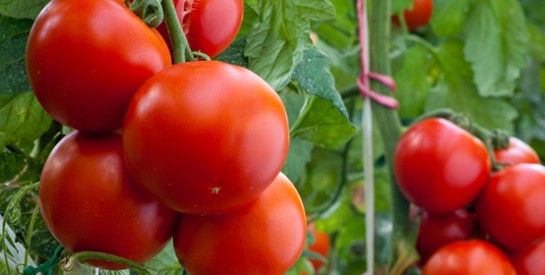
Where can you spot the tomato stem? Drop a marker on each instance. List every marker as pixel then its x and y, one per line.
pixel 149 11
pixel 182 51
pixel 67 264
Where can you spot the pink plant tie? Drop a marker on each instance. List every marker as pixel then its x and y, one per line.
pixel 363 79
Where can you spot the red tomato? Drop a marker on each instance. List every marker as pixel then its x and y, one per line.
pixel 321 245
pixel 266 236
pixel 210 25
pixel 530 260
pixel 206 137
pixel 474 257
pixel 511 206
pixel 517 152
pixel 86 59
pixel 418 16
pixel 89 202
pixel 437 230
pixel 440 166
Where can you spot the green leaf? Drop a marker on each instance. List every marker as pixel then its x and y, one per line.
pixel 412 82
pixel 22 119
pixel 537 42
pixel 496 45
pixel 276 44
pixel 323 119
pixel 298 156
pixel 234 54
pixel 449 16
pixel 13 37
pixel 400 5
pixel 22 8
pixel 457 91
pixel 166 262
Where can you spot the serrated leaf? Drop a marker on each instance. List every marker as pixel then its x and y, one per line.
pixel 412 84
pixel 13 37
pixel 276 44
pixel 28 9
pixel 448 17
pixel 456 90
pixel 323 119
pixel 22 119
pixel 496 45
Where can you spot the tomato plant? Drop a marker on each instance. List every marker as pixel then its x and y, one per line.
pixel 418 16
pixel 529 260
pixel 204 144
pixel 428 160
pixel 510 205
pixel 517 152
pixel 468 257
pixel 90 202
pixel 437 230
pixel 248 240
pixel 321 245
pixel 86 59
pixel 210 25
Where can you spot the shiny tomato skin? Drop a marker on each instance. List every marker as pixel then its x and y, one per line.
pixel 266 236
pixel 470 257
pixel 210 25
pixel 89 202
pixel 205 137
pixel 321 245
pixel 419 15
pixel 517 152
pixel 437 230
pixel 439 166
pixel 511 206
pixel 530 260
pixel 87 58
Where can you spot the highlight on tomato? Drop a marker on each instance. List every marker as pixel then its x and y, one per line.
pixel 439 166
pixel 205 137
pixel 89 202
pixel 266 236
pixel 86 59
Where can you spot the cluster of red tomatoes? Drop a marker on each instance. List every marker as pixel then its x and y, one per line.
pixel 191 151
pixel 473 220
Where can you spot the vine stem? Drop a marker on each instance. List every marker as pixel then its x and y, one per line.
pixel 68 263
pixel 182 51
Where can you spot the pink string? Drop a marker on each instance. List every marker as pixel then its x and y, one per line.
pixel 363 79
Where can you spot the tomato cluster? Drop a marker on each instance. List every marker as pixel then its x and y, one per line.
pixel 473 220
pixel 189 151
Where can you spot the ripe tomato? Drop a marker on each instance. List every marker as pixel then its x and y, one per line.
pixel 437 230
pixel 473 257
pixel 321 245
pixel 89 202
pixel 517 152
pixel 86 59
pixel 440 166
pixel 529 261
pixel 266 236
pixel 210 25
pixel 205 137
pixel 418 16
pixel 511 206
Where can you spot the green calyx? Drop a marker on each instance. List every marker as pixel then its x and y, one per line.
pixel 150 11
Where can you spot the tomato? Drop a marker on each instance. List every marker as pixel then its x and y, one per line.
pixel 86 59
pixel 418 16
pixel 89 202
pixel 206 137
pixel 266 236
pixel 470 257
pixel 440 166
pixel 321 245
pixel 529 261
pixel 517 152
pixel 210 25
pixel 437 230
pixel 511 206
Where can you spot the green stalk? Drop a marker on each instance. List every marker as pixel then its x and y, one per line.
pixel 67 264
pixel 402 240
pixel 182 52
